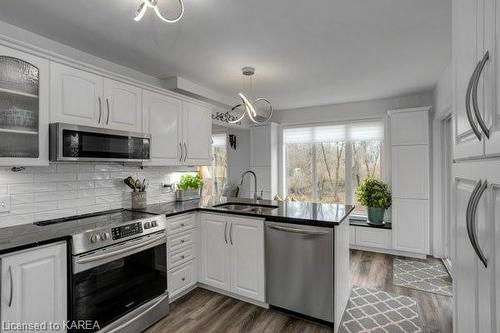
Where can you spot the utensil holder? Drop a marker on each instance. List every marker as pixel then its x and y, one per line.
pixel 139 200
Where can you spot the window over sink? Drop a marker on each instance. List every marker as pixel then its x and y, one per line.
pixel 326 163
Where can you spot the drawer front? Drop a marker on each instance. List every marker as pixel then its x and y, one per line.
pixel 181 278
pixel 181 241
pixel 180 257
pixel 373 237
pixel 180 223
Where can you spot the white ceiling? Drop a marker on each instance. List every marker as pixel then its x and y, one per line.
pixel 305 52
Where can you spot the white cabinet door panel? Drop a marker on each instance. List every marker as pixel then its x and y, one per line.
pixel 35 281
pixel 75 96
pixel 215 261
pixel 410 128
pixel 162 116
pixel 411 224
pixel 494 220
pixel 372 237
pixel 182 278
pixel 123 106
pixel 410 171
pixel 197 134
pixel 247 257
pixel 260 147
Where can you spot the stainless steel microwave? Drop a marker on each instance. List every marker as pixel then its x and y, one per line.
pixel 81 143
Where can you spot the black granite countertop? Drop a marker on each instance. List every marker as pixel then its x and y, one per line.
pixel 305 213
pixel 316 214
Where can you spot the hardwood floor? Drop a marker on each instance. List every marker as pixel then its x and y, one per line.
pixel 205 311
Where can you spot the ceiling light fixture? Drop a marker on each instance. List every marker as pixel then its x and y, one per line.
pixel 246 107
pixel 154 4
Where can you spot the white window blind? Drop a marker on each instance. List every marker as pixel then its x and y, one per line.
pixel 355 131
pixel 219 140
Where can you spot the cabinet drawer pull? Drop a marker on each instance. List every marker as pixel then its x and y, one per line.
pixel 183 279
pixel 472 221
pixel 182 224
pixel 107 105
pixel 183 257
pixel 470 118
pixel 182 241
pixel 186 152
pixel 475 105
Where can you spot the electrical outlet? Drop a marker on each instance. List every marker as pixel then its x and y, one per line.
pixel 4 204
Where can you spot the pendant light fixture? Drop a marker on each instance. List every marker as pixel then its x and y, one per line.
pixel 154 4
pixel 259 111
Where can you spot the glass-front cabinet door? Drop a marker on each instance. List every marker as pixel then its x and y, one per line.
pixel 23 108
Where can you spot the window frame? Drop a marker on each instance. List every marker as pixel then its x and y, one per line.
pixel 348 158
pixel 212 166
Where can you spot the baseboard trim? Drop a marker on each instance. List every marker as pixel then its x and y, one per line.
pixel 182 293
pixel 388 251
pixel 229 294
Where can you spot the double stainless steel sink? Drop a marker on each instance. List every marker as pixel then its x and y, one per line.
pixel 248 208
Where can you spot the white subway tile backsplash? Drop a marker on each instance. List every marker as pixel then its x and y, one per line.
pixel 65 189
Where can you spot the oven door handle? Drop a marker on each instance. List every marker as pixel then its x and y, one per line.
pixel 88 259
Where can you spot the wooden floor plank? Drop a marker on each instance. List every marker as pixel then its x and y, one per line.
pixel 203 311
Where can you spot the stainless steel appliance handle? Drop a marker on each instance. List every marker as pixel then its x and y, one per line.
pixel 186 152
pixel 473 223
pixel 182 152
pixel 11 297
pixel 298 231
pixel 107 106
pixel 100 109
pixel 120 251
pixel 467 104
pixel 475 105
pixel 225 232
pixel 140 315
pixel 231 233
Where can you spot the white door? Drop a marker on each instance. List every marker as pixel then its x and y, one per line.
pixel 215 261
pixel 34 286
pixel 162 116
pixel 25 140
pixel 411 224
pixel 123 106
pixel 75 96
pixel 197 134
pixel 247 257
pixel 467 34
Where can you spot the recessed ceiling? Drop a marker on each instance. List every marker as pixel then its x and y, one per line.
pixel 305 52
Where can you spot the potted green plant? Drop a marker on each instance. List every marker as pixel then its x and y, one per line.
pixel 376 196
pixel 189 188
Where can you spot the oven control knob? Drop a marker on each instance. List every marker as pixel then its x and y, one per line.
pixel 147 225
pixel 154 224
pixel 105 236
pixel 94 238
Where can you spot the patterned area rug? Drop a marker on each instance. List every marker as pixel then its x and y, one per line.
pixel 376 311
pixel 429 276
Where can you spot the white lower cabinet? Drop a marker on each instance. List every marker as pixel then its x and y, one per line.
pixel 232 254
pixel 34 286
pixel 410 227
pixel 182 278
pixel 369 237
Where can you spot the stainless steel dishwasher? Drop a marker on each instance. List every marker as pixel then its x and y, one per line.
pixel 299 269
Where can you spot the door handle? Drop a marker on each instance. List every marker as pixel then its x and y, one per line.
pixel 182 152
pixel 473 222
pixel 231 233
pixel 467 104
pixel 475 105
pixel 11 297
pixel 107 106
pixel 225 232
pixel 100 109
pixel 185 152
pixel 298 231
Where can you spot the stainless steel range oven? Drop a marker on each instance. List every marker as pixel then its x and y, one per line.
pixel 119 277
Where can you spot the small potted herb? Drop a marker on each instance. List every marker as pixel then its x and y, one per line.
pixel 376 196
pixel 189 188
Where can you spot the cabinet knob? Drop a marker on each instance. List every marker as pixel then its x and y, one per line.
pixel 182 240
pixel 182 224
pixel 183 279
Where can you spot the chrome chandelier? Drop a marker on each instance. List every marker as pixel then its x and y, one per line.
pixel 154 4
pixel 259 111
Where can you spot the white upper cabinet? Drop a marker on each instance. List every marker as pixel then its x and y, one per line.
pixel 24 108
pixel 197 134
pixel 75 96
pixel 82 98
pixel 123 106
pixel 34 286
pixel 260 154
pixel 410 171
pixel 162 117
pixel 410 128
